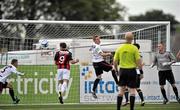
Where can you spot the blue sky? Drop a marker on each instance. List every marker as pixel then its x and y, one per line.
pixel 136 7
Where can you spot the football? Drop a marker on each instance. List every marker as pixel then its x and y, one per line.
pixel 44 43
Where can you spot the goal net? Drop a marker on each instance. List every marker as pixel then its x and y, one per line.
pixel 22 40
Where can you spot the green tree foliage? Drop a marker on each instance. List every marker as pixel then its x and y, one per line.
pixel 62 9
pixel 155 15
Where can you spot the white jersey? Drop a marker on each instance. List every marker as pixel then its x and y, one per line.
pixel 96 50
pixel 6 71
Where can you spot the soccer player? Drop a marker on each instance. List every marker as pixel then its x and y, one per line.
pixel 139 91
pixel 62 59
pixel 4 74
pixel 99 64
pixel 164 60
pixel 128 58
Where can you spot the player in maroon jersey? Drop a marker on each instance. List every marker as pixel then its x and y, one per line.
pixel 62 59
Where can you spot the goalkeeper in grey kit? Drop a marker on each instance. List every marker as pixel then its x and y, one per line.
pixel 164 60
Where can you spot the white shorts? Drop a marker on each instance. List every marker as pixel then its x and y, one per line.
pixel 63 74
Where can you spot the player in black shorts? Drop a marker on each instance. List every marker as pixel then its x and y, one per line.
pixel 99 64
pixel 164 60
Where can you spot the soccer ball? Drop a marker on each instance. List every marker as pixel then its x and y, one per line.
pixel 44 43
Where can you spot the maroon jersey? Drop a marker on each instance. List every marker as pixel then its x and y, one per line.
pixel 62 59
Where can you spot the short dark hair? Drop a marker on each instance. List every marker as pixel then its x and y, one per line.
pixel 63 45
pixel 137 45
pixel 14 61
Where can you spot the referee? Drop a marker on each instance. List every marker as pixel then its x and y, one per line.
pixel 128 58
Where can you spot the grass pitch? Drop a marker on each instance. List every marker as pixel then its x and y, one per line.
pixel 171 106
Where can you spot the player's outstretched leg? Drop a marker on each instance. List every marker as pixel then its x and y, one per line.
pixel 15 99
pixel 176 93
pixel 95 86
pixel 60 98
pixel 114 75
pixel 163 91
pixel 63 89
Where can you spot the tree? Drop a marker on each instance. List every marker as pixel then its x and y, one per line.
pixel 155 15
pixel 89 10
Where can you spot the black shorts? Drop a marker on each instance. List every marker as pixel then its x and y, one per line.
pixel 2 86
pixel 166 75
pixel 138 81
pixel 101 66
pixel 128 77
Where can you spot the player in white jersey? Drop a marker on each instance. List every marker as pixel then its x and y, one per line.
pixel 5 72
pixel 99 64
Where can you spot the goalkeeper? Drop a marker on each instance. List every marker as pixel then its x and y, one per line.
pixel 4 74
pixel 164 60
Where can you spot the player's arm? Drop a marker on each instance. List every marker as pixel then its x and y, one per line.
pixel 178 55
pixel 71 60
pixel 74 61
pixel 116 60
pixel 56 58
pixel 154 62
pixel 17 72
pixel 138 60
pixel 103 54
pixel 172 60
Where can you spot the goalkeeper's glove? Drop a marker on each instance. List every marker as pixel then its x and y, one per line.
pixel 152 65
pixel 166 63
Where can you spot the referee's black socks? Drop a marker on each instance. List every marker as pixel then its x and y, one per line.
pixel 119 102
pixel 96 84
pixel 132 101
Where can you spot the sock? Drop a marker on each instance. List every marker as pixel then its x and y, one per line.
pixel 95 84
pixel 132 101
pixel 126 94
pixel 176 92
pixel 115 76
pixel 63 87
pixel 59 88
pixel 164 93
pixel 140 94
pixel 11 92
pixel 119 101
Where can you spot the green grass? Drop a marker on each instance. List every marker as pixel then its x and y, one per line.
pixel 172 106
pixel 43 72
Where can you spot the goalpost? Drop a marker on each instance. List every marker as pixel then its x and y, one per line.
pixel 21 39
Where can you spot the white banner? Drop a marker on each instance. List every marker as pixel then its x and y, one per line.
pixel 29 57
pixel 107 89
